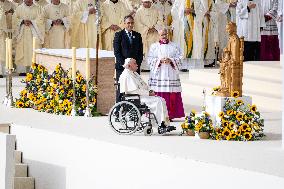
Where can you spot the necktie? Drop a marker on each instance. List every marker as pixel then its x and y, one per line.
pixel 130 37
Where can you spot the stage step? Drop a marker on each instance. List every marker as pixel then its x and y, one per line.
pixel 5 128
pixel 21 170
pixel 24 183
pixel 18 156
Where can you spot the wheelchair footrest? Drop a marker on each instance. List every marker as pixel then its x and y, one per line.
pixel 164 129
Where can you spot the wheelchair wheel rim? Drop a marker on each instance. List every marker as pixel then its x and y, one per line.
pixel 124 118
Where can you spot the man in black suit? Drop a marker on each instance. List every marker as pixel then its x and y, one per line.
pixel 127 44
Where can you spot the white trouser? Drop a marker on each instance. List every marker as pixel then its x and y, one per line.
pixel 22 69
pixel 157 106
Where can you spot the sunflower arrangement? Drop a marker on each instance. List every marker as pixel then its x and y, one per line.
pixel 189 123
pixel 239 122
pixel 53 93
pixel 215 90
pixel 198 122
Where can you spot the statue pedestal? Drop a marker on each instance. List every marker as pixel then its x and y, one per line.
pixel 215 104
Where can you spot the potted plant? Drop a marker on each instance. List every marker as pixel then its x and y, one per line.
pixel 203 125
pixel 188 126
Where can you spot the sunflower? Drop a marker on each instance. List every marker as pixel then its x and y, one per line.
pixel 244 127
pixel 20 104
pixel 206 114
pixel 29 77
pixel 239 102
pixel 239 116
pixel 231 125
pixel 233 135
pixel 221 114
pixel 247 135
pixel 226 133
pixel 193 113
pixel 198 127
pixel 230 112
pixel 235 94
pixel 225 124
pixel 218 137
pixel 253 108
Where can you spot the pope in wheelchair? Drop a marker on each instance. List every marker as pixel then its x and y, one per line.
pixel 126 116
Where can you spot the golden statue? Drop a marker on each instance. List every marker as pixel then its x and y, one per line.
pixel 231 64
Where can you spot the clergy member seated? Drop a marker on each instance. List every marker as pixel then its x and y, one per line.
pixel 131 83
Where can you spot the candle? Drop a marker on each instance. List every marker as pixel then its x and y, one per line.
pixel 7 54
pixel 87 64
pixel 10 54
pixel 74 63
pixel 34 47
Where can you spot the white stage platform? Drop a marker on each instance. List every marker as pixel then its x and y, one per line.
pixel 256 163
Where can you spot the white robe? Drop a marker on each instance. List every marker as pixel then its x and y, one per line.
pixel 249 23
pixel 132 83
pixel 164 77
pixel 200 51
pixel 280 25
pixel 270 7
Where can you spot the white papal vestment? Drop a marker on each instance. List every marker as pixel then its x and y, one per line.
pixel 131 83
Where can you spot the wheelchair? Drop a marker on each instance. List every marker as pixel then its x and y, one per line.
pixel 130 116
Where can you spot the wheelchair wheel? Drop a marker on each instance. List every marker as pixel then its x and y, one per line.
pixel 124 118
pixel 148 131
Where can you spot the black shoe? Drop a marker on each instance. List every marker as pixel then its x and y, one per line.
pixel 210 65
pixel 22 74
pixel 171 128
pixel 1 76
pixel 162 129
pixel 184 70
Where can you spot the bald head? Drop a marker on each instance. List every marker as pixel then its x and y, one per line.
pixel 163 34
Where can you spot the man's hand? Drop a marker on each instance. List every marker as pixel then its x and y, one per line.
pixel 189 11
pixel 114 27
pixel 207 14
pixel 9 11
pixel 233 5
pixel 280 18
pixel 27 22
pixel 151 93
pixel 251 5
pixel 92 11
pixel 152 30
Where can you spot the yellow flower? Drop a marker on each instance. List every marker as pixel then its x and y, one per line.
pixel 231 125
pixel 225 124
pixel 244 127
pixel 230 112
pixel 33 66
pixel 235 94
pixel 239 102
pixel 221 114
pixel 24 92
pixel 29 77
pixel 233 135
pixel 239 116
pixel 226 133
pixel 247 135
pixel 198 127
pixel 253 108
pixel 218 137
pixel 20 104
pixel 193 113
pixel 79 78
pixel 84 87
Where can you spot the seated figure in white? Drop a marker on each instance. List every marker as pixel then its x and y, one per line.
pixel 131 83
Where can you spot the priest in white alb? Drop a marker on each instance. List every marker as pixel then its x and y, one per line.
pixel 86 27
pixel 113 13
pixel 27 23
pixel 40 3
pixel 250 21
pixel 147 22
pixel 164 59
pixel 57 22
pixel 6 12
pixel 132 83
pixel 269 47
pixel 204 33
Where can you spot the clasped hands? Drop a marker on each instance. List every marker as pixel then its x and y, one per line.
pixel 189 11
pixel 165 61
pixel 152 30
pixel 9 11
pixel 57 22
pixel 114 27
pixel 27 22
pixel 251 5
pixel 92 11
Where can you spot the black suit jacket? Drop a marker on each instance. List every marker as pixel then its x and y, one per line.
pixel 123 49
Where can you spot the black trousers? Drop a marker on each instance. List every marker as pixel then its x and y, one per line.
pixel 251 51
pixel 118 95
